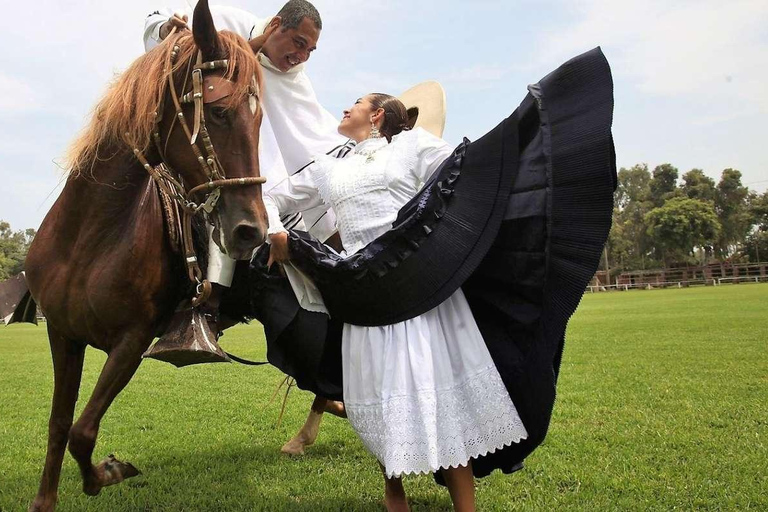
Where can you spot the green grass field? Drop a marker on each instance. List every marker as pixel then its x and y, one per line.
pixel 662 405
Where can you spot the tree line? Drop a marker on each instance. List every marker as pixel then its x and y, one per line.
pixel 660 220
pixel 13 249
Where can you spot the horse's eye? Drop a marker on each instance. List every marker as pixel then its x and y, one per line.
pixel 219 114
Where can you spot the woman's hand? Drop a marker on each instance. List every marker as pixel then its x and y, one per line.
pixel 278 250
pixel 177 22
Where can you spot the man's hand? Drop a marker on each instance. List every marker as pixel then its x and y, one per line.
pixel 278 250
pixel 177 22
pixel 258 42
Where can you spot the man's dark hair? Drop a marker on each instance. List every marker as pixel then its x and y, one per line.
pixel 295 11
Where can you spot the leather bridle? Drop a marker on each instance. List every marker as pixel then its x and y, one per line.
pixel 205 89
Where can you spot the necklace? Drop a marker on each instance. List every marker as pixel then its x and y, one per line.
pixel 369 155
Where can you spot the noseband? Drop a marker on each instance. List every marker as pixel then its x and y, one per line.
pixel 204 90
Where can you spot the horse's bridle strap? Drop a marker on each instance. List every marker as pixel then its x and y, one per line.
pixel 204 90
pixel 214 89
pixel 213 64
pixel 228 183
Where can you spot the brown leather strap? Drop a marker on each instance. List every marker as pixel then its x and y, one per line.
pixel 227 183
pixel 216 88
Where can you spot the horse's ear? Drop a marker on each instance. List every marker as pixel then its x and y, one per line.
pixel 206 37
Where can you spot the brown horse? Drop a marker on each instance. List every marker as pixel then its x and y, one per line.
pixel 101 267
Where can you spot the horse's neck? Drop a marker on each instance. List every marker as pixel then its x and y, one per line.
pixel 115 201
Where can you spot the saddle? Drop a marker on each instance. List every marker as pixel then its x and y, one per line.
pixel 16 302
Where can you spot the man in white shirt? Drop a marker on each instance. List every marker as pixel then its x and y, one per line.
pixel 295 126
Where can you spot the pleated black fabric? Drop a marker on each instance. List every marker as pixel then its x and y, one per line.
pixel 518 219
pixel 549 244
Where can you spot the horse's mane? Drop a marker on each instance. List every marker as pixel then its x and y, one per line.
pixel 125 116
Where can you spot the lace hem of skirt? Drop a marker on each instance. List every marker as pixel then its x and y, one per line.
pixel 433 429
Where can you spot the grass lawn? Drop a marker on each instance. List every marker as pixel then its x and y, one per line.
pixel 662 404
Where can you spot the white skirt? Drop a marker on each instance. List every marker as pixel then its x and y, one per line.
pixel 424 394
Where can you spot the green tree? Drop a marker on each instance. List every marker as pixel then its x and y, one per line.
pixel 732 211
pixel 663 184
pixel 633 185
pixel 681 225
pixel 758 210
pixel 755 247
pixel 13 249
pixel 697 185
pixel 629 245
pixel 620 246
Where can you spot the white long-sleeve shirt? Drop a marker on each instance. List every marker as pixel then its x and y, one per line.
pixel 295 126
pixel 233 19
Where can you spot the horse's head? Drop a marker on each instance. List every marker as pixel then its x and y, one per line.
pixel 209 131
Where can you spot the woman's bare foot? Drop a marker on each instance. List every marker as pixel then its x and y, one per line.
pixel 396 503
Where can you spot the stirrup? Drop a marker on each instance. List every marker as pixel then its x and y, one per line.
pixel 188 340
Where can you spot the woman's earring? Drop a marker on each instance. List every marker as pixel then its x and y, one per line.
pixel 375 133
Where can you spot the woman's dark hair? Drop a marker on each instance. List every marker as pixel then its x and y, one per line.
pixel 396 117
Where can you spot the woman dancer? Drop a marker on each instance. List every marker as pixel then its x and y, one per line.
pixel 422 394
pixel 452 368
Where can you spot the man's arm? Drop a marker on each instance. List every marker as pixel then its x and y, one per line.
pixel 235 20
pixel 153 24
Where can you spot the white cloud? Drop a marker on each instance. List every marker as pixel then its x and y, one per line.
pixel 352 85
pixel 15 145
pixel 664 53
pixel 467 77
pixel 710 49
pixel 17 96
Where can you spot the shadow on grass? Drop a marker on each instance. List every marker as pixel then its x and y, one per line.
pixel 225 478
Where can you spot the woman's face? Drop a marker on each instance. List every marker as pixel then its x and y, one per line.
pixel 356 123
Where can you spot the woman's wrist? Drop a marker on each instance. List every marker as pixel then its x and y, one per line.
pixel 281 234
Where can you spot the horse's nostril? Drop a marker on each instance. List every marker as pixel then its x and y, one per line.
pixel 248 234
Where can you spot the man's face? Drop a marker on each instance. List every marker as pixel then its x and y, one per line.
pixel 290 47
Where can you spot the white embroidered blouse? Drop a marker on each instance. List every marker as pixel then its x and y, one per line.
pixel 366 189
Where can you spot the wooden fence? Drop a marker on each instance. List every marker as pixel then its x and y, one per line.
pixel 714 274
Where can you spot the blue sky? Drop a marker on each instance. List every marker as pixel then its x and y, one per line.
pixel 690 76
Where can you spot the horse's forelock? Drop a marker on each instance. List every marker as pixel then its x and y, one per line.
pixel 243 65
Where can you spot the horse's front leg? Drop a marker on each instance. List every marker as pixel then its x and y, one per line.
pixel 67 368
pixel 122 362
pixel 308 433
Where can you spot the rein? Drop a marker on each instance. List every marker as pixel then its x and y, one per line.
pixel 205 89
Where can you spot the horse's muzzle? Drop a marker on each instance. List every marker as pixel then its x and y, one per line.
pixel 246 237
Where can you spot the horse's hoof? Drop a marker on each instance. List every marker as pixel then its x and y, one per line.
pixel 111 471
pixel 92 489
pixel 293 447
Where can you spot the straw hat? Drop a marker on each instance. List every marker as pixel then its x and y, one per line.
pixel 429 97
